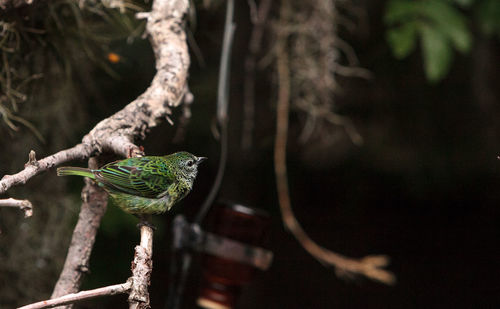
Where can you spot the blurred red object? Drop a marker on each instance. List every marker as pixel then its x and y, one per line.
pixel 223 277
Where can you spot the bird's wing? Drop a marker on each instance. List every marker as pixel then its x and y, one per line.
pixel 140 179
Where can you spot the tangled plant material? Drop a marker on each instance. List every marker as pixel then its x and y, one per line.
pixel 55 33
pixel 307 62
pixel 315 56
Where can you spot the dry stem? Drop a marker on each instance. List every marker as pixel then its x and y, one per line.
pixel 369 266
pixel 83 295
pixel 136 285
pixel 24 205
pixel 141 270
pixel 316 54
pixel 34 167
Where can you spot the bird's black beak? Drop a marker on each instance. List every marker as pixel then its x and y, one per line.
pixel 200 159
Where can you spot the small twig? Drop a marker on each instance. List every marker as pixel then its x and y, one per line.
pixel 24 205
pixel 80 296
pixel 254 17
pixel 333 118
pixel 348 50
pixel 142 267
pixel 224 69
pixel 351 71
pixel 80 151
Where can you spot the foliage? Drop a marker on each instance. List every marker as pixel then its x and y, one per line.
pixel 439 24
pixel 488 16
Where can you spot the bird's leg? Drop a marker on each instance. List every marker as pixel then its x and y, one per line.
pixel 146 221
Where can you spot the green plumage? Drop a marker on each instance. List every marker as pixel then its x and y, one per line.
pixel 144 185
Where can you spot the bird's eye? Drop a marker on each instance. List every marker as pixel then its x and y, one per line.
pixel 190 163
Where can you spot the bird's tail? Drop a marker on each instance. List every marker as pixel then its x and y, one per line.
pixel 78 171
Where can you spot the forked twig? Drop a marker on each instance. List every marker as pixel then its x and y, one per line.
pixel 83 295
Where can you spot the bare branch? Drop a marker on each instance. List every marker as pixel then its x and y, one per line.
pixel 136 286
pixel 34 167
pixel 83 295
pixel 167 89
pixel 142 267
pixel 93 208
pixel 24 205
pixel 118 132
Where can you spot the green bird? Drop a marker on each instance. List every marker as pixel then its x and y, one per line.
pixel 144 185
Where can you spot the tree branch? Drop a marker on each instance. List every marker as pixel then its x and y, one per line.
pixel 84 295
pixel 136 285
pixel 117 133
pixel 24 205
pixel 34 167
pixel 142 267
pixel 93 208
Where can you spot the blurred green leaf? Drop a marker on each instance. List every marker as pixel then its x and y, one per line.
pixel 448 20
pixel 488 15
pixel 440 25
pixel 402 39
pixel 464 3
pixel 398 11
pixel 436 52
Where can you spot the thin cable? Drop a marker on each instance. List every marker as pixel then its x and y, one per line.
pixel 174 300
pixel 218 179
pixel 222 107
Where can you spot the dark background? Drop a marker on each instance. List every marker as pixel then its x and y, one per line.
pixel 423 188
